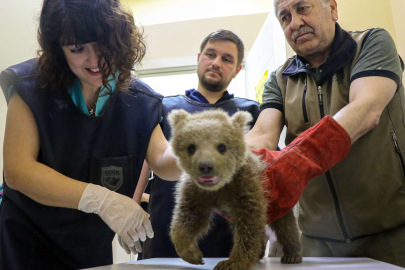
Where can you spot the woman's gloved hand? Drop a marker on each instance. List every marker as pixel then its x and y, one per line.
pixel 135 249
pixel 122 214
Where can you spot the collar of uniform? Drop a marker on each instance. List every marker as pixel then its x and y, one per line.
pixel 342 52
pixel 197 96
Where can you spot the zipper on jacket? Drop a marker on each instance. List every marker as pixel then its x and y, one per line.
pixel 329 178
pixel 337 207
pixel 304 106
pixel 394 138
pixel 320 100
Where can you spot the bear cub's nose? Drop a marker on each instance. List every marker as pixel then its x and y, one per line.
pixel 205 168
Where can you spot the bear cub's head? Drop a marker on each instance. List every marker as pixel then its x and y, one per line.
pixel 209 145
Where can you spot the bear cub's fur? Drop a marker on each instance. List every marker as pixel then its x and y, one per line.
pixel 219 172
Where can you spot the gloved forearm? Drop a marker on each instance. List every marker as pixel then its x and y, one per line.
pixel 288 171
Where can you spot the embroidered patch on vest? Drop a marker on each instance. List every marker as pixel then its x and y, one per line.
pixel 112 177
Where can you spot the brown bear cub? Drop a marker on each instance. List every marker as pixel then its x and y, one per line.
pixel 220 173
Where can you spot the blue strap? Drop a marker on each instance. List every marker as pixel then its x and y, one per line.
pixel 1 192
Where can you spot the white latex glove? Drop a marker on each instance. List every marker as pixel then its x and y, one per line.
pixel 122 214
pixel 135 249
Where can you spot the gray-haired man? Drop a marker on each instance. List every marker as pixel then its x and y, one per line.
pixel 356 208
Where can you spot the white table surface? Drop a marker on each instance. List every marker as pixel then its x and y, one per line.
pixel 266 263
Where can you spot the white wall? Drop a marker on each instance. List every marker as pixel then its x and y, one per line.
pixel 18 26
pixel 267 53
pixel 175 28
pixel 182 39
pixel 18 29
pixel 398 11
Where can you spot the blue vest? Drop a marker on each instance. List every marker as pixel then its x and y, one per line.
pixel 219 241
pixel 108 150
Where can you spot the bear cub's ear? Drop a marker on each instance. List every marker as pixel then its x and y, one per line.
pixel 177 116
pixel 240 119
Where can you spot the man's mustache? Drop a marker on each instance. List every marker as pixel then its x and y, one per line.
pixel 302 30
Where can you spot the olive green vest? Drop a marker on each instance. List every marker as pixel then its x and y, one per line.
pixel 365 193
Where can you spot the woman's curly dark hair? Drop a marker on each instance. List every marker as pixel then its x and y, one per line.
pixel 75 22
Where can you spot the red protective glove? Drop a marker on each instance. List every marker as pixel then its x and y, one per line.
pixel 288 171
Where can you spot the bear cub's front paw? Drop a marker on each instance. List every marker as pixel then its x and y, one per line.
pixel 291 258
pixel 190 253
pixel 231 265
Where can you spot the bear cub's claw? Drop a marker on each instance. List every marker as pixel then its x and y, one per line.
pixel 192 254
pixel 291 259
pixel 231 265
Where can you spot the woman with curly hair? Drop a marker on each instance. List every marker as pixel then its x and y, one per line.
pixel 78 129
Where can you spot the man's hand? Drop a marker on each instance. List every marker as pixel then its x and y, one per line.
pixel 266 132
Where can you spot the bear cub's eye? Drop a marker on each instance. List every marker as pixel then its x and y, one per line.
pixel 222 148
pixel 191 149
